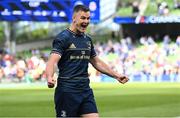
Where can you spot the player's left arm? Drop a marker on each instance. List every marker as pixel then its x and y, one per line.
pixel 104 68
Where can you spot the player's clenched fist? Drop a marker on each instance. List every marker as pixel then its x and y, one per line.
pixel 122 79
pixel 51 82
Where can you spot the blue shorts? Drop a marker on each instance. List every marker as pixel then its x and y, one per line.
pixel 74 104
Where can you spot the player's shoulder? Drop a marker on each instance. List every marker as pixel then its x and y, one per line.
pixel 63 35
pixel 88 36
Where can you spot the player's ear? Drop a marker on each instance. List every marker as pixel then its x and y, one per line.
pixel 73 19
pixel 74 16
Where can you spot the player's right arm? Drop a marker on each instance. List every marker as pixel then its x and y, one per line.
pixel 50 69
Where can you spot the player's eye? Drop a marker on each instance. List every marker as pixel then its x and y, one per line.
pixel 83 18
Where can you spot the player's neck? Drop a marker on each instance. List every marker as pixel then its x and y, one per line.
pixel 73 29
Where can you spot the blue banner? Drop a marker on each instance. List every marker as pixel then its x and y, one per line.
pixel 147 19
pixel 45 10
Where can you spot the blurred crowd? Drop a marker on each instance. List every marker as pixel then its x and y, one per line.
pixel 148 62
pixel 22 69
pixel 163 8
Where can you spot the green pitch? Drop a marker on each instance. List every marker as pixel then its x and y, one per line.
pixel 132 99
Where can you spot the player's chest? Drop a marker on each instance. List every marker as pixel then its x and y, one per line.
pixel 79 44
pixel 79 47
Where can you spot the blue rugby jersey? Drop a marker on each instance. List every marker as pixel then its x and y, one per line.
pixel 75 50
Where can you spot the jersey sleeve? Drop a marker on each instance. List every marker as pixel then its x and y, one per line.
pixel 93 52
pixel 59 45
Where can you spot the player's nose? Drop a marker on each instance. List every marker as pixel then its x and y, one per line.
pixel 86 21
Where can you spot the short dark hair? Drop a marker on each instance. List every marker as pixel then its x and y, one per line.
pixel 80 8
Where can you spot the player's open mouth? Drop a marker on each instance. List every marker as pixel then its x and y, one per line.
pixel 84 25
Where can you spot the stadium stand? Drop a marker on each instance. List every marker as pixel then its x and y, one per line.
pixel 148 7
pixel 156 62
pixel 147 61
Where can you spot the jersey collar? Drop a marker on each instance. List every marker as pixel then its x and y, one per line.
pixel 74 33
